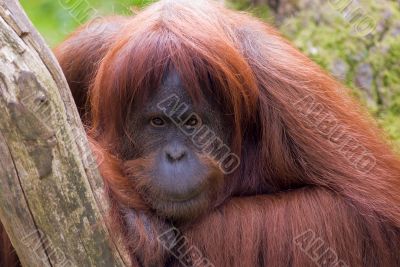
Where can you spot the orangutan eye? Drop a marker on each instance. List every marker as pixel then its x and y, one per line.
pixel 194 121
pixel 157 122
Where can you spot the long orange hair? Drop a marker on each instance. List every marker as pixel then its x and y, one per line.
pixel 305 145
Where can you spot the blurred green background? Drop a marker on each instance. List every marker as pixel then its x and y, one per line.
pixel 357 41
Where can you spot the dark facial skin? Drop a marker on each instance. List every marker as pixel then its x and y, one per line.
pixel 176 177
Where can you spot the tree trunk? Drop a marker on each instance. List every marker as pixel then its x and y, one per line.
pixel 51 200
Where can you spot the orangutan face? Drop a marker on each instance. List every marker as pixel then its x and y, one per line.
pixel 178 146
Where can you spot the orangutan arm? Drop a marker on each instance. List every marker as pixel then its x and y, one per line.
pixel 130 219
pixel 295 228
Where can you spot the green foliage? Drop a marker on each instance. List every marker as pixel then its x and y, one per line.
pixel 359 43
pixel 57 18
pixel 261 11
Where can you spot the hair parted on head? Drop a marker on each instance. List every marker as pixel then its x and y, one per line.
pixel 267 85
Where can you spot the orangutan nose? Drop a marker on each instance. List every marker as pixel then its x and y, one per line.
pixel 175 152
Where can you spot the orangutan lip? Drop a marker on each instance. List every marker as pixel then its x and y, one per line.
pixel 178 198
pixel 182 199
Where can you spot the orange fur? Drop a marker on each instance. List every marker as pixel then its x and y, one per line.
pixel 297 171
pixel 300 137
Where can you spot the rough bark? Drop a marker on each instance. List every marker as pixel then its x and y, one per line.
pixel 51 201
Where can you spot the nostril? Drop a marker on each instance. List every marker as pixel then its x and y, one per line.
pixel 175 156
pixel 175 151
